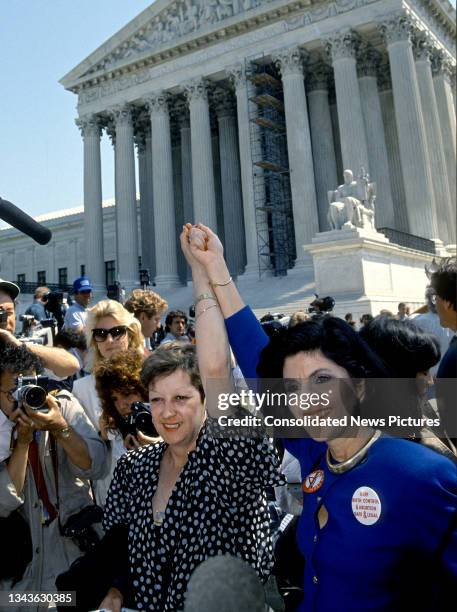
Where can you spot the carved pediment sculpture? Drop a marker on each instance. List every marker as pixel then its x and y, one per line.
pixel 180 18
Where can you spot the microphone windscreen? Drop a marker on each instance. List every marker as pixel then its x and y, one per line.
pixel 224 584
pixel 24 223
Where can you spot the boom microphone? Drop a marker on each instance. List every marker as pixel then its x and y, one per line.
pixel 25 224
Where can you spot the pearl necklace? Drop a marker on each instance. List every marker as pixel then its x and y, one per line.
pixel 345 466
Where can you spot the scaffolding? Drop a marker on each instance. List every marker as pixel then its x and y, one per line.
pixel 271 177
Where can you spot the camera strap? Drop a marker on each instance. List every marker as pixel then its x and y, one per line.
pixel 40 483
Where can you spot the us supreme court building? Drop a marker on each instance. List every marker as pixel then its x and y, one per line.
pixel 243 114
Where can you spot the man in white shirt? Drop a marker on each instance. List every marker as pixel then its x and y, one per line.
pixel 76 315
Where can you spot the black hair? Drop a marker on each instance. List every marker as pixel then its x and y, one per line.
pixel 18 360
pixel 173 314
pixel 333 337
pixel 405 349
pixel 444 281
pixel 366 318
pixel 69 338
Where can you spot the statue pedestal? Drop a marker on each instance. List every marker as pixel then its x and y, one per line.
pixel 364 272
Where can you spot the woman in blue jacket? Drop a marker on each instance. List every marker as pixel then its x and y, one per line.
pixel 378 528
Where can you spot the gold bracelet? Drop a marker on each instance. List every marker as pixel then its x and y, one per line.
pixel 205 309
pixel 63 433
pixel 221 284
pixel 205 296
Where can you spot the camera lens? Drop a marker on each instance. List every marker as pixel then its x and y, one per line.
pixel 34 397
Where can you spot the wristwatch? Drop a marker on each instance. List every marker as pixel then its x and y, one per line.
pixel 64 433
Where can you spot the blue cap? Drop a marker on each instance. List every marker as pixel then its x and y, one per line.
pixel 82 284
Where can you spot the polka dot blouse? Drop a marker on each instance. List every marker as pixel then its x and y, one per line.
pixel 218 506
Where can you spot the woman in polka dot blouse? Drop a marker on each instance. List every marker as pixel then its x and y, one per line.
pixel 196 494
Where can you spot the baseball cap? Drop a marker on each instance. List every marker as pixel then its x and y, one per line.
pixel 10 288
pixel 82 284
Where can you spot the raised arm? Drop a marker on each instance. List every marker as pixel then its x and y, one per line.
pixel 245 334
pixel 212 344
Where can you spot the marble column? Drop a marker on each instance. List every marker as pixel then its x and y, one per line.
pixel 93 212
pixel 177 190
pixel 368 64
pixel 232 201
pixel 146 205
pixel 217 176
pixel 126 206
pixel 342 48
pixel 442 74
pixel 204 196
pixel 393 150
pixel 444 204
pixel 163 194
pixel 111 132
pixel 323 146
pixel 150 252
pixel 238 77
pixel 415 160
pixel 304 204
pixel 186 167
pixel 186 173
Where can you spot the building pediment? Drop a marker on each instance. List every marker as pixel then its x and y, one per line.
pixel 169 28
pixel 161 26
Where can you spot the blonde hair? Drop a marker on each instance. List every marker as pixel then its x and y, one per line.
pixel 111 308
pixel 298 317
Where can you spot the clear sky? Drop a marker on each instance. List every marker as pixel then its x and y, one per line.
pixel 40 146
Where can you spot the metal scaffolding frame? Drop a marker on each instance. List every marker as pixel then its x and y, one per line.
pixel 271 176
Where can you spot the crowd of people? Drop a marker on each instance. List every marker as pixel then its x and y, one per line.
pixel 119 481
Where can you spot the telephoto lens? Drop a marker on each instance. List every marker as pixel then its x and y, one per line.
pixel 33 397
pixel 31 391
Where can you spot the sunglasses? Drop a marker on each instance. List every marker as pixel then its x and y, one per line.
pixel 99 334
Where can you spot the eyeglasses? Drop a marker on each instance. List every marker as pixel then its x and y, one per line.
pixel 99 334
pixel 9 394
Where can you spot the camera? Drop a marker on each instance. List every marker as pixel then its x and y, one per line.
pixel 3 317
pixel 139 420
pixel 32 392
pixel 80 528
pixel 322 305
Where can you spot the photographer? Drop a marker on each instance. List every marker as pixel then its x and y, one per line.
pixel 124 420
pixel 122 398
pixel 60 362
pixel 38 308
pixel 56 451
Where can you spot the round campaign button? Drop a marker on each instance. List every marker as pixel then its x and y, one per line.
pixel 366 505
pixel 313 481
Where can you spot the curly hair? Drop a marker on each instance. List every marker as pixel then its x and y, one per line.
pixel 170 357
pixel 111 308
pixel 144 300
pixel 120 374
pixel 18 360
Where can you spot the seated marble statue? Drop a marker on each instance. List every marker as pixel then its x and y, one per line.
pixel 352 203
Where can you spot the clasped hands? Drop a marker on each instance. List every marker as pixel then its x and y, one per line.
pixel 203 250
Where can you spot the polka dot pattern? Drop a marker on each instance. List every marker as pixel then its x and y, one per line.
pixel 218 506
